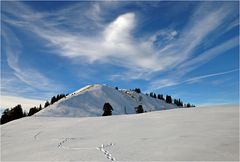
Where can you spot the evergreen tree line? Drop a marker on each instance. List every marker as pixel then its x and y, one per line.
pixel 138 90
pixel 167 99
pixel 178 102
pixel 54 99
pixel 17 111
pixel 189 105
pixel 34 110
pixel 12 114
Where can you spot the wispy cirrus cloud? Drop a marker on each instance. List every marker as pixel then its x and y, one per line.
pixel 162 83
pixel 206 56
pixel 114 43
pixel 29 76
pixel 22 84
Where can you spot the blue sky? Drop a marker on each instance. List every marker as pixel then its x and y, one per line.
pixel 186 49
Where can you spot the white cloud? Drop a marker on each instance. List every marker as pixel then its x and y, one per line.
pixel 119 30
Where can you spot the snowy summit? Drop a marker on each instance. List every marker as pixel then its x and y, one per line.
pixel 89 101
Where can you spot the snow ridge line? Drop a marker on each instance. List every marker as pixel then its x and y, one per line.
pixel 106 152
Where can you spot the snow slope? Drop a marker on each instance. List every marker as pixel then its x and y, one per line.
pixel 89 101
pixel 186 134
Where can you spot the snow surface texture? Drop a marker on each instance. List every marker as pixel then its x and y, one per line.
pixel 89 101
pixel 186 134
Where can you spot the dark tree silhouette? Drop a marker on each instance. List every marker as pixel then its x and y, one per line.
pixel 178 102
pixel 189 105
pixel 46 104
pixel 53 99
pixel 138 90
pixel 160 97
pixel 139 109
pixel 56 98
pixel 34 110
pixel 154 95
pixel 107 109
pixel 5 116
pixel 9 115
pixel 17 112
pixel 168 99
pixel 151 94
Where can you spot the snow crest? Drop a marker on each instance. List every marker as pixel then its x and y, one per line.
pixel 89 100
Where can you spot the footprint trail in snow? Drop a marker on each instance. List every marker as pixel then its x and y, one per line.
pixel 65 140
pixel 101 148
pixel 35 136
pixel 108 155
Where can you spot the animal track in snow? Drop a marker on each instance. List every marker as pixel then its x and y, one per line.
pixel 65 140
pixel 101 148
pixel 61 145
pixel 35 136
pixel 106 152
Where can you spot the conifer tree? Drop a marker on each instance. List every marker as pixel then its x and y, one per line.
pixel 107 109
pixel 138 90
pixel 53 99
pixel 139 109
pixel 151 94
pixel 46 104
pixel 5 116
pixel 168 99
pixel 32 111
pixel 154 95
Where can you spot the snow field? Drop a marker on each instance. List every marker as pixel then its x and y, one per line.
pixel 187 134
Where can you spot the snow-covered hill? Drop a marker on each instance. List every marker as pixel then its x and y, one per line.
pixel 187 134
pixel 89 101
